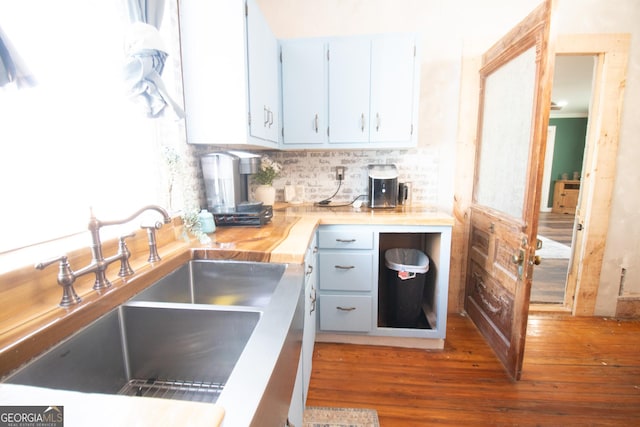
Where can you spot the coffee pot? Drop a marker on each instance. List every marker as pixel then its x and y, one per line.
pixel 383 186
pixel 226 177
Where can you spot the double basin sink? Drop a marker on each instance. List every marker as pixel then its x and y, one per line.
pixel 213 331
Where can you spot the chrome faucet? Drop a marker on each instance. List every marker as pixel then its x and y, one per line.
pixel 99 264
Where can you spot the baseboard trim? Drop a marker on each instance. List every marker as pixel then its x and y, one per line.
pixel 422 343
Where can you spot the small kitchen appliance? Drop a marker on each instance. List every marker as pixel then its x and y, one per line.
pixel 226 182
pixel 383 186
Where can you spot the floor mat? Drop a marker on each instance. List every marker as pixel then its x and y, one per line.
pixel 552 249
pixel 340 417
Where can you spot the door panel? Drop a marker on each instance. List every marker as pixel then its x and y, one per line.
pixel 515 97
pixel 505 138
pixel 349 73
pixel 493 279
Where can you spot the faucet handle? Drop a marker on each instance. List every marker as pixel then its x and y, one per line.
pixel 44 264
pixel 124 253
pixel 66 277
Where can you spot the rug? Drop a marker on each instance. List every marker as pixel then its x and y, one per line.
pixel 340 417
pixel 553 250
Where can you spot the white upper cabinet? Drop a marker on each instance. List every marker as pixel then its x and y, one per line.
pixel 230 74
pixel 264 91
pixel 349 87
pixel 304 91
pixel 369 86
pixel 392 88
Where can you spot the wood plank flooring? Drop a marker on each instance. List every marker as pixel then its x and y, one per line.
pixel 577 371
pixel 550 277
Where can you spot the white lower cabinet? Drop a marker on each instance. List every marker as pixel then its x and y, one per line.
pixel 346 271
pixel 301 388
pixel 357 290
pixel 310 315
pixel 296 408
pixel 346 313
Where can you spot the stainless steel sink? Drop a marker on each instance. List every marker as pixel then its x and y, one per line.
pixel 148 350
pixel 216 331
pixel 218 282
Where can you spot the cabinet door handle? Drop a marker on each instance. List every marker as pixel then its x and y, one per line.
pixel 345 308
pixel 313 297
pixel 270 117
pixel 377 122
pixel 345 267
pixel 315 123
pixel 265 115
pixel 309 269
pixel 345 240
pixel 362 122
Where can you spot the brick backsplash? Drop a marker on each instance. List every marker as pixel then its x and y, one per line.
pixel 316 171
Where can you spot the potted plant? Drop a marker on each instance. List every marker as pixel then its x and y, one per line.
pixel 269 170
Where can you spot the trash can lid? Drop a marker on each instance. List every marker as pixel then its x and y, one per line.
pixel 411 260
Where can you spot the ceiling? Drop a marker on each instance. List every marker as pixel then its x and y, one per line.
pixel 572 83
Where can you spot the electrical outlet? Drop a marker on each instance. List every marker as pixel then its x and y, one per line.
pixel 340 173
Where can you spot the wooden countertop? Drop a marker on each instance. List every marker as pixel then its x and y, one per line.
pixel 346 214
pixel 31 321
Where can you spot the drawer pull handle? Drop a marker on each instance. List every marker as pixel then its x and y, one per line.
pixel 345 240
pixel 344 267
pixel 345 308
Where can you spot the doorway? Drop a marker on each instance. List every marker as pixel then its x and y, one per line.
pixel 564 163
pixel 611 52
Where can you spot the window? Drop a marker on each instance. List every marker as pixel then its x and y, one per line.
pixel 74 141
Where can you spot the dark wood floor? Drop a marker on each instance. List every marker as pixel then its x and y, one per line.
pixel 550 277
pixel 578 371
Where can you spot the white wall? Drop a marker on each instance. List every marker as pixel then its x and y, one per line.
pixel 623 242
pixel 453 29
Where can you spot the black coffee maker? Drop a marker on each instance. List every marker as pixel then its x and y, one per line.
pixel 383 186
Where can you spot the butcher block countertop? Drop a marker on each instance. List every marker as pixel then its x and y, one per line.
pixel 30 325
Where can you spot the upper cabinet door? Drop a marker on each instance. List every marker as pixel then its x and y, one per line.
pixel 214 71
pixel 392 88
pixel 263 76
pixel 216 63
pixel 349 85
pixel 304 91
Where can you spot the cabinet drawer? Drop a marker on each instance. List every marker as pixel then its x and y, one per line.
pixel 331 239
pixel 345 313
pixel 346 272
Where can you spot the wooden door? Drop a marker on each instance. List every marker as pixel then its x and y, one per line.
pixel 515 96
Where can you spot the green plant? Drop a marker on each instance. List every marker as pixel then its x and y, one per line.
pixel 191 223
pixel 269 170
pixel 172 162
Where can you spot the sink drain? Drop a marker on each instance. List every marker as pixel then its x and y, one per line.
pixel 173 389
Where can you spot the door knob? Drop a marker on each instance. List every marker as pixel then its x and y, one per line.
pixel 518 258
pixel 537 260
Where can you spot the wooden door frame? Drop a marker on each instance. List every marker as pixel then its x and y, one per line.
pixel 611 51
pixel 603 131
